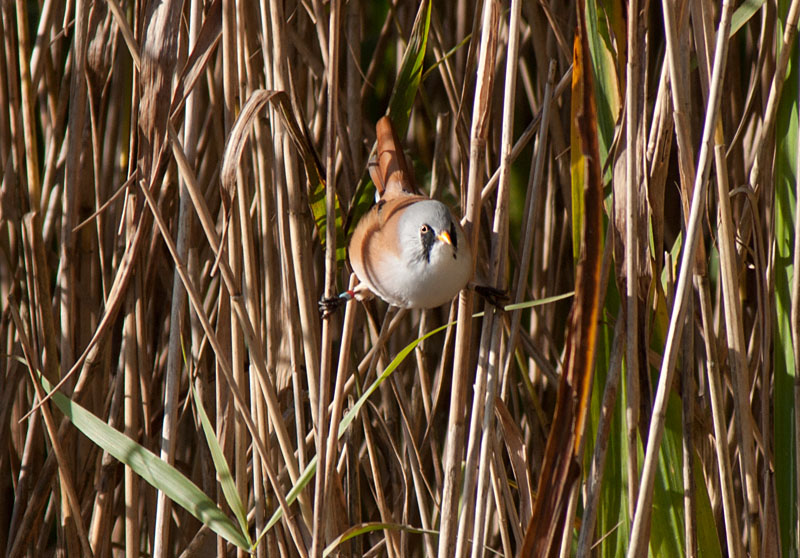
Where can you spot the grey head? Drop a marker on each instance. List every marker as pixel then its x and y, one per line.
pixel 421 230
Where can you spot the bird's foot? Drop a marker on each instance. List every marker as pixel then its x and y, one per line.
pixel 495 297
pixel 329 305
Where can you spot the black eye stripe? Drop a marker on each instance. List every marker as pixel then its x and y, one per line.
pixel 454 235
pixel 427 237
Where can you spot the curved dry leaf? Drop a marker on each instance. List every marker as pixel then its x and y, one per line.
pixel 315 172
pixel 517 453
pixel 207 40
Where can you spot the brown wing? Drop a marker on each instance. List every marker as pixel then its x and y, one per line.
pixel 375 241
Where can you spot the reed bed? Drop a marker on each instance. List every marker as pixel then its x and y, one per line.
pixel 179 182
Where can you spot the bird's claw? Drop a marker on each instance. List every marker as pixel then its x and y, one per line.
pixel 495 297
pixel 329 305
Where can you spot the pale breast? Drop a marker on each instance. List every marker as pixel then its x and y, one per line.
pixel 384 264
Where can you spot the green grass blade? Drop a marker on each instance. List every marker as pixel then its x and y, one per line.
pixel 667 530
pixel 785 369
pixel 371 527
pixel 221 466
pixel 599 15
pixel 410 73
pixel 155 471
pixel 708 540
pixel 538 302
pixel 746 10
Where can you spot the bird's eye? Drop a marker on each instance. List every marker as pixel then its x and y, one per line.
pixel 424 229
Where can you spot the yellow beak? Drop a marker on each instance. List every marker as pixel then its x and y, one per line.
pixel 445 237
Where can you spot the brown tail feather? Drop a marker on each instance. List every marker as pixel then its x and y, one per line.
pixel 392 173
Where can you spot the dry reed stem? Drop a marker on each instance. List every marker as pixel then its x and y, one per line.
pixel 633 156
pixel 455 424
pixel 499 250
pixel 325 447
pixel 86 110
pixel 641 516
pixel 225 367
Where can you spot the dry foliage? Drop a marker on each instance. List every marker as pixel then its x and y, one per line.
pixel 178 184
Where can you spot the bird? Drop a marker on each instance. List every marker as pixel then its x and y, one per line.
pixel 408 249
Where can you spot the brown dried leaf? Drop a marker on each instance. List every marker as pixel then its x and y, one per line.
pixel 207 40
pixel 238 139
pixel 159 56
pixel 561 466
pixel 517 453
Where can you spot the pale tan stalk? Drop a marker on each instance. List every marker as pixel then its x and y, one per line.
pixel 680 99
pixel 174 356
pixel 447 72
pixel 487 377
pixel 532 128
pixel 566 535
pixel 422 488
pixel 102 300
pixel 716 396
pixel 353 78
pixel 66 279
pixel 20 522
pixel 736 343
pixel 641 518
pixel 229 435
pixel 454 445
pixel 299 226
pixel 487 351
pixel 103 513
pixel 264 293
pixel 255 345
pixel 461 33
pixel 325 447
pixel 734 329
pixel 339 393
pixel 632 187
pixel 32 513
pixel 131 372
pixel 392 549
pixel 318 18
pixel 488 434
pixel 563 44
pixel 249 282
pixel 69 261
pixel 225 367
pixel 762 143
pixel 506 518
pixel 42 38
pixel 27 105
pixel 531 197
pixel 688 398
pixel 65 471
pixel 272 50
